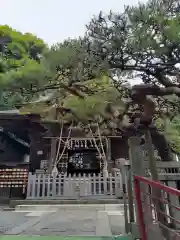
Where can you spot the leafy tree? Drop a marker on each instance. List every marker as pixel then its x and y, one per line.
pixel 171 130
pixel 16 46
pixel 136 43
pixel 20 65
pixel 102 106
pixel 142 42
pixel 62 55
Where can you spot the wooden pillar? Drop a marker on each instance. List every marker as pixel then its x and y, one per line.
pixel 52 154
pixel 137 168
pixel 136 157
pixel 108 154
pixel 160 207
pixel 34 158
pixel 151 157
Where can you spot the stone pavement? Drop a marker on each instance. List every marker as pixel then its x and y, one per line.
pixel 62 238
pixel 64 220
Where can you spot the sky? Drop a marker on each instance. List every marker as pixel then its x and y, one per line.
pixel 55 20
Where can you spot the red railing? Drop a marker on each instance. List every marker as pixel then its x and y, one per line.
pixel 158 209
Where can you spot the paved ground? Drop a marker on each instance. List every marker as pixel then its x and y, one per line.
pixel 62 238
pixel 72 220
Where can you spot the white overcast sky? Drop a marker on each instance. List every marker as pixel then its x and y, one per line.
pixel 55 20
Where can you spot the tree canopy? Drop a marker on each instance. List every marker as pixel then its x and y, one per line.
pixel 20 67
pixel 91 79
pixel 143 41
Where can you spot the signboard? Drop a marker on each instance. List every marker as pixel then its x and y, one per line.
pixel 84 160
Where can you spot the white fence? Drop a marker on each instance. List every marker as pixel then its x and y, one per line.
pixel 43 186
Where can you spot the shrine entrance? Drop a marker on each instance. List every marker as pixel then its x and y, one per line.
pixel 78 169
pixel 83 161
pixel 81 156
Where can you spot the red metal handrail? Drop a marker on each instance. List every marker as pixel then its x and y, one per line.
pixel 138 182
pixel 142 227
pixel 158 185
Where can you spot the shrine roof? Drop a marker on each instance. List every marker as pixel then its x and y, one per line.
pixel 20 125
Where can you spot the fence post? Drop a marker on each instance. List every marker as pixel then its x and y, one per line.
pixel 28 194
pixel 124 190
pixel 10 192
pixel 54 185
pixel 38 186
pixel 151 157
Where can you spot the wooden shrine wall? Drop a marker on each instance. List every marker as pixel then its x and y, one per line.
pixel 10 150
pixel 119 148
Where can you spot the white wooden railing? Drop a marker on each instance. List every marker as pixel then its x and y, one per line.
pixel 41 186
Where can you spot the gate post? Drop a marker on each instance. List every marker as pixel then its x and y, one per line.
pixel 136 157
pixel 160 207
pixel 124 171
pixel 137 168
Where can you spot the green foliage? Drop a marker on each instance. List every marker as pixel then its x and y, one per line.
pixel 17 46
pixel 20 67
pixel 143 41
pixel 94 105
pixel 173 133
pixel 171 130
pixel 62 54
pixel 91 107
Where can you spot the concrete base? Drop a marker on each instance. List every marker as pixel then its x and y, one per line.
pixel 14 203
pixel 6 201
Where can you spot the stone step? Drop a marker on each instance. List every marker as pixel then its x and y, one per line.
pixel 14 203
pixel 32 208
pixel 112 209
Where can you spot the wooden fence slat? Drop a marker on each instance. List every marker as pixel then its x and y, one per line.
pixel 43 185
pixel 59 186
pixel 100 186
pixel 28 194
pixel 54 186
pixel 110 183
pixel 38 185
pixel 33 185
pixel 48 185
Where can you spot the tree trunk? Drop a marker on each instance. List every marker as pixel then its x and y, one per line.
pixel 161 145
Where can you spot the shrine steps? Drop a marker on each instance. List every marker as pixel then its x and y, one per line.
pixel 14 203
